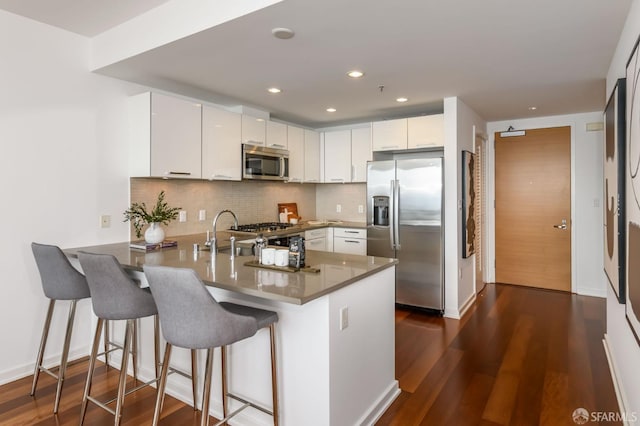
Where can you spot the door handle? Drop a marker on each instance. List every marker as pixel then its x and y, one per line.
pixel 562 226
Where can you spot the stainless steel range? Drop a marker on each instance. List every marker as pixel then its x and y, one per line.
pixel 275 232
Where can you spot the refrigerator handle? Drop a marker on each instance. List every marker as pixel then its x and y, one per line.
pixel 396 215
pixel 392 202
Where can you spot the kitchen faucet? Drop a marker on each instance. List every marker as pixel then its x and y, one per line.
pixel 213 243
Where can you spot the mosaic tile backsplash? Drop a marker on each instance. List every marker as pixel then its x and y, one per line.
pixel 251 201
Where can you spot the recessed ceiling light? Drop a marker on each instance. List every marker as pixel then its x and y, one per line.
pixel 402 99
pixel 331 110
pixel 282 33
pixel 532 108
pixel 274 90
pixel 355 74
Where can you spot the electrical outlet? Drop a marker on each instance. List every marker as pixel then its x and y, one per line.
pixel 202 215
pixel 344 318
pixel 105 221
pixel 338 208
pixel 360 208
pixel 182 216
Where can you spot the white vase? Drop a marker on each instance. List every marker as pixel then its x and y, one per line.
pixel 154 233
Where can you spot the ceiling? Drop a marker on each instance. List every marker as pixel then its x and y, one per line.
pixel 500 57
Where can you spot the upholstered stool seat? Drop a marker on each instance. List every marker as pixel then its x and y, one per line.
pixel 191 318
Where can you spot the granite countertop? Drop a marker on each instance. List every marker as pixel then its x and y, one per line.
pixel 336 270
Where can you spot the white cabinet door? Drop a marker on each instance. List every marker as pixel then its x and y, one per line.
pixel 350 241
pixel 276 135
pixel 426 131
pixel 221 144
pixel 360 153
pixel 389 135
pixel 253 130
pixel 175 137
pixel 317 244
pixel 316 239
pixel 337 154
pixel 295 142
pixel 311 156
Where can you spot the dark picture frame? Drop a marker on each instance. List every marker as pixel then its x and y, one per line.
pixel 632 192
pixel 468 203
pixel 614 190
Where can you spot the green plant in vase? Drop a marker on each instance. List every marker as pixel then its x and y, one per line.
pixel 161 213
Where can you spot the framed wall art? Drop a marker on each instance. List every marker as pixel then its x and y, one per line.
pixel 614 190
pixel 632 191
pixel 468 204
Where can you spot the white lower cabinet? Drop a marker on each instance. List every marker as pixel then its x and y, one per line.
pixel 350 241
pixel 316 239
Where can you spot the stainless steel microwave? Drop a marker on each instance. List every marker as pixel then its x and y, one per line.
pixel 263 163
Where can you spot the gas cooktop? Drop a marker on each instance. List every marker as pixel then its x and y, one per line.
pixel 262 227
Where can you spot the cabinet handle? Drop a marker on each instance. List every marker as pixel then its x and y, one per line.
pixel 311 180
pixel 278 145
pixel 421 145
pixel 351 232
pixel 337 180
pixel 352 241
pixel 221 176
pixel 178 173
pixel 390 146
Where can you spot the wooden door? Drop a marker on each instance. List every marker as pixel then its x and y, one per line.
pixel 533 198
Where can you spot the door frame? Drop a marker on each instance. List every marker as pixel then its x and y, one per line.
pixel 525 124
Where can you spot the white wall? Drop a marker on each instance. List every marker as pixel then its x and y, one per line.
pixel 624 351
pixel 586 191
pixel 63 165
pixel 461 124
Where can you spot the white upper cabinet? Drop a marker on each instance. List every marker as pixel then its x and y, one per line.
pixel 165 136
pixel 337 155
pixel 276 135
pixel 426 131
pixel 253 130
pixel 360 153
pixel 221 144
pixel 295 142
pixel 389 135
pixel 311 156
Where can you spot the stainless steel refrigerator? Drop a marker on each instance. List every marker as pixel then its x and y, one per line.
pixel 404 221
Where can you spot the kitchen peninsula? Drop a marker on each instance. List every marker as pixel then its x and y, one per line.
pixel 335 335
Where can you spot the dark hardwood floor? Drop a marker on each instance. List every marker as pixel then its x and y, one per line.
pixel 520 357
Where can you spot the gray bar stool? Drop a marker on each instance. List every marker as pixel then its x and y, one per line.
pixel 191 318
pixel 60 281
pixel 115 296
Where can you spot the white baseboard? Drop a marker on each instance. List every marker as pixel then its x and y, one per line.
pixel 380 406
pixel 24 370
pixel 467 304
pixel 594 292
pixel 619 390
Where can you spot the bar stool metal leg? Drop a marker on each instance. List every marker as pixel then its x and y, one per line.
pixel 106 344
pixel 65 355
pixel 129 330
pixel 156 341
pixel 134 348
pixel 194 378
pixel 43 344
pixel 162 384
pixel 206 394
pixel 62 368
pixel 225 390
pixel 92 364
pixel 274 376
